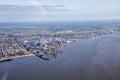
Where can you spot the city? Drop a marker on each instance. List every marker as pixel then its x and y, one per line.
pixel 31 42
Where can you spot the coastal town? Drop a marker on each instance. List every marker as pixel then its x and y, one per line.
pixel 15 45
pixel 36 40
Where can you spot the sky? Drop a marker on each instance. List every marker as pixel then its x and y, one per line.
pixel 50 10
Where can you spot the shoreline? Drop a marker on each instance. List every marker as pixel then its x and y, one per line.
pixel 27 55
pixel 15 57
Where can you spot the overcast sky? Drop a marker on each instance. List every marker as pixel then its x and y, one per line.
pixel 43 10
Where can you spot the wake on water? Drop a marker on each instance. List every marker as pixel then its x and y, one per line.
pixel 4 77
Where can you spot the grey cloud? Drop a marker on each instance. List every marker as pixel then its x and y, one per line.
pixel 30 9
pixel 16 8
pixel 55 6
pixel 56 10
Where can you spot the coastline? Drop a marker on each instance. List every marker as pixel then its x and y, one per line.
pixel 15 57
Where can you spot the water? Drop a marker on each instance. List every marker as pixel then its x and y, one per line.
pixel 87 59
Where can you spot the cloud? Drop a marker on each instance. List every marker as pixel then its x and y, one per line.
pixel 56 10
pixel 39 6
pixel 55 6
pixel 31 12
pixel 19 9
pixel 31 9
pixel 19 2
